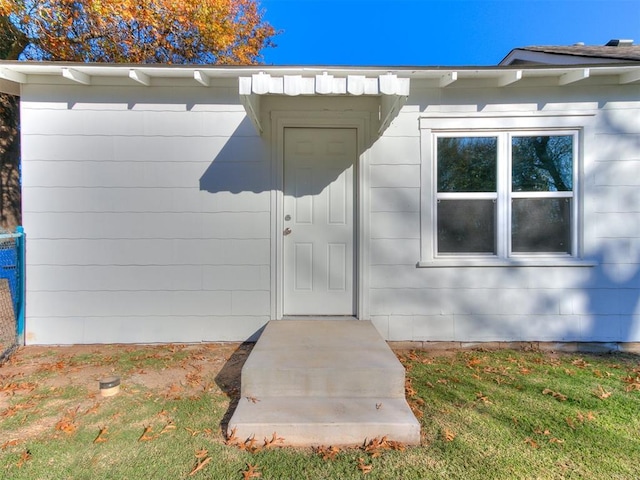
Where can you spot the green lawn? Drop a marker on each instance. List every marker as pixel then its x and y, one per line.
pixel 485 415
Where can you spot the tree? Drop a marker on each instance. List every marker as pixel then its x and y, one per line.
pixel 230 32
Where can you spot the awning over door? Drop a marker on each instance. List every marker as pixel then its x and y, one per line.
pixel 391 91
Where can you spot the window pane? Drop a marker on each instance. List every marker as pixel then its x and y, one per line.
pixel 541 225
pixel 467 164
pixel 466 226
pixel 542 164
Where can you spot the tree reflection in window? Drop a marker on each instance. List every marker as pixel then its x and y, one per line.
pixel 542 164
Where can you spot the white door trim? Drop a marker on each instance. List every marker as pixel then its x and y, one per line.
pixel 361 122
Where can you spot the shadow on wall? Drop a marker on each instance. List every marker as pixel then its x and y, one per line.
pixel 614 286
pixel 244 165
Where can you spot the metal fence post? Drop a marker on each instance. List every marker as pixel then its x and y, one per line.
pixel 21 287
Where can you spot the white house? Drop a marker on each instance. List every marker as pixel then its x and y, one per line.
pixel 196 203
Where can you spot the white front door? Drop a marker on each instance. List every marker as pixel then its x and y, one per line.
pixel 318 227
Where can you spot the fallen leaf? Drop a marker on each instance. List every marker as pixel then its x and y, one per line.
pixel 202 453
pixel 231 438
pixel 251 472
pixel 531 442
pixel 101 435
pixel 9 443
pixel 327 453
pixel 199 466
pixel 24 457
pixel 146 437
pixel 253 399
pixel 192 431
pixel 270 442
pixel 580 363
pixel 483 398
pixel 167 428
pixel 448 435
pixel 601 393
pixel 250 445
pixel 555 440
pixel 557 395
pixel 363 467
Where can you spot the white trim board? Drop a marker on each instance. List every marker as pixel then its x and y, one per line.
pixel 361 122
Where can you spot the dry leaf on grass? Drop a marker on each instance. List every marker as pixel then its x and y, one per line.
pixel 601 393
pixel 167 428
pixel 9 443
pixel 480 397
pixel 580 363
pixel 273 441
pixel 557 395
pixel 633 383
pixel 24 457
pixel 448 435
pixel 101 438
pixel 200 464
pixel 363 467
pixel 531 442
pixel 146 435
pixel 252 471
pixel 327 453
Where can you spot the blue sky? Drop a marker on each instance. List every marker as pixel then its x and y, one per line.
pixel 437 32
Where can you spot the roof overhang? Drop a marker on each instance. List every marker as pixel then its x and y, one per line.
pixel 391 90
pixel 391 85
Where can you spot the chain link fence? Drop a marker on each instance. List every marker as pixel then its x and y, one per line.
pixel 11 292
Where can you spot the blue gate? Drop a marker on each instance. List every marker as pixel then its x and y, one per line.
pixel 12 292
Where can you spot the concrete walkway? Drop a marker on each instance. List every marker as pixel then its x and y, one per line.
pixel 323 382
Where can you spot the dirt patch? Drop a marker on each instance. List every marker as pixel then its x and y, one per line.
pixel 33 374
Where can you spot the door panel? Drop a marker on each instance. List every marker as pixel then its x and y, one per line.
pixel 318 252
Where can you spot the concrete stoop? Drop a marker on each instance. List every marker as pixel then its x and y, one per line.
pixel 323 382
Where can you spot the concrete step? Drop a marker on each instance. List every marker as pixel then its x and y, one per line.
pixel 322 358
pixel 323 382
pixel 325 421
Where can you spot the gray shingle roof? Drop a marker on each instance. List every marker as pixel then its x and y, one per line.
pixel 631 52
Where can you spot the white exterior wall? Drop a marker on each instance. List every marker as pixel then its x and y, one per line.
pixel 598 303
pixel 149 215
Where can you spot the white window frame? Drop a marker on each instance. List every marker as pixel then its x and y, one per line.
pixel 505 128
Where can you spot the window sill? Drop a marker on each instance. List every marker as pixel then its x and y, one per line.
pixel 507 262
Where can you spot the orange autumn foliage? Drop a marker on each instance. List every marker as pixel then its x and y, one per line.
pixel 230 32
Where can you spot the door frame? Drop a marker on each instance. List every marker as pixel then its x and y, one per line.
pixel 360 121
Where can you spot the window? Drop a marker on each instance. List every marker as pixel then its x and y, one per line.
pixel 505 195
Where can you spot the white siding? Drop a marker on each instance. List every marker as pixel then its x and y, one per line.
pixel 600 303
pixel 148 219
